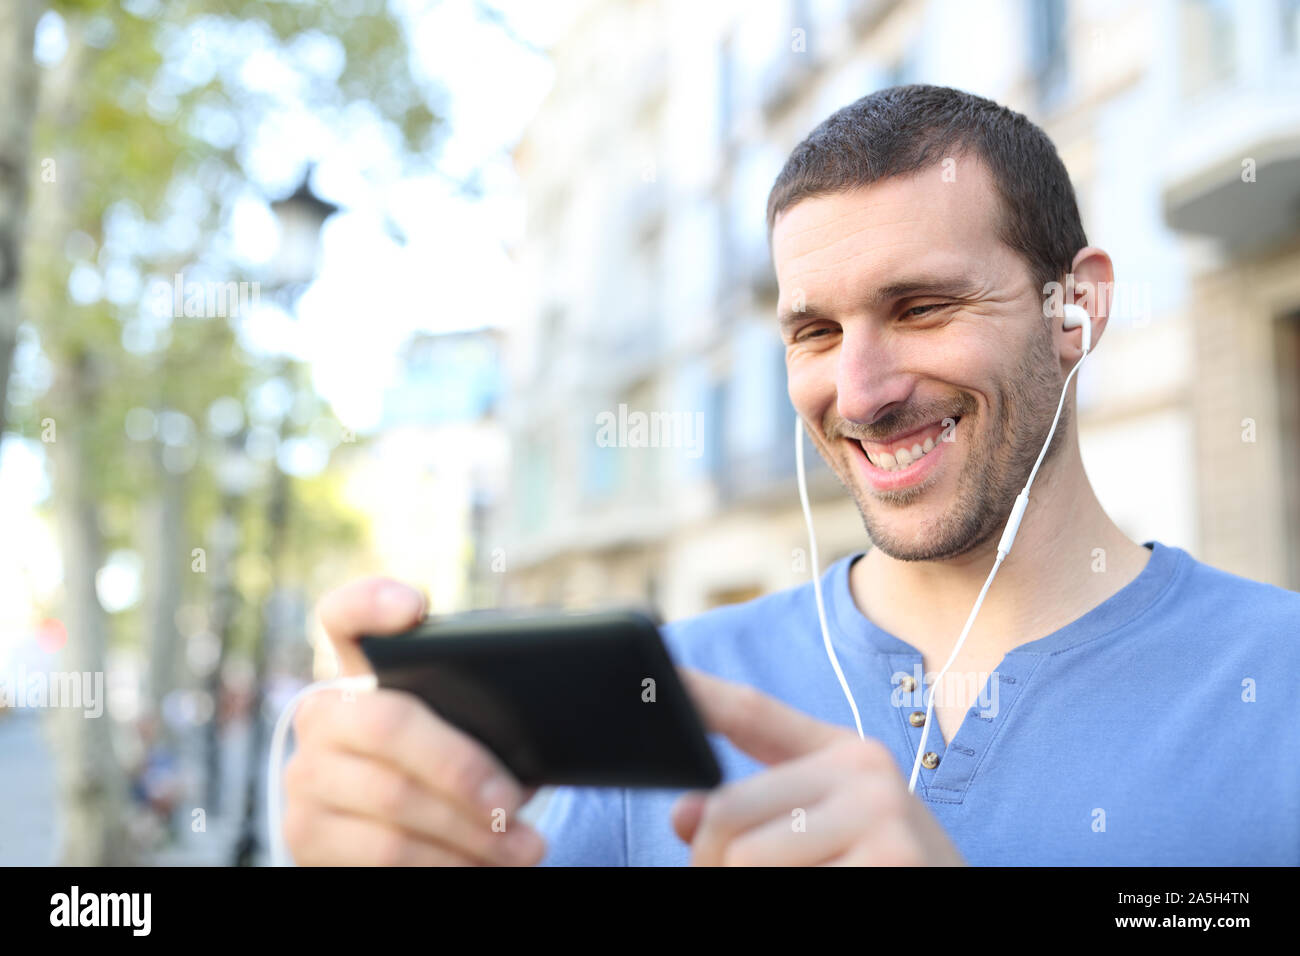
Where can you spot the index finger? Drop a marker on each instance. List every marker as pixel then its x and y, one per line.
pixel 369 606
pixel 761 726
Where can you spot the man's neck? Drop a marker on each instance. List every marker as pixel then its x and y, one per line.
pixel 1068 558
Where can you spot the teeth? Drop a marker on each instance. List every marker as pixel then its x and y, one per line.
pixel 903 456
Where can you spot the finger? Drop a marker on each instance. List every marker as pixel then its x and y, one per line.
pixel 396 727
pixel 891 844
pixel 352 785
pixel 322 837
pixel 825 831
pixel 686 814
pixel 368 606
pixel 781 796
pixel 760 725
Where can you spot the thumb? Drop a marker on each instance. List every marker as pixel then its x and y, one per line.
pixel 368 606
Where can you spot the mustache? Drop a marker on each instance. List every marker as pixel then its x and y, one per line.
pixel 895 423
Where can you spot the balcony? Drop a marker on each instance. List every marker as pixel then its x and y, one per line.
pixel 1235 170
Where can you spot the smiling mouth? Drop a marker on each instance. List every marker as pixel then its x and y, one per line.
pixel 900 453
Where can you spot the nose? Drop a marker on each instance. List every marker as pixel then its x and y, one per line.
pixel 870 377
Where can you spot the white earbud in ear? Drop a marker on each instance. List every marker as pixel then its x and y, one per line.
pixel 1075 316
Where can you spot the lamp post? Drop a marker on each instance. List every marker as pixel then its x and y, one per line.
pixel 300 216
pixel 236 476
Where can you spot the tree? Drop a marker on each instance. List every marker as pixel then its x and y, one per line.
pixel 17 111
pixel 126 120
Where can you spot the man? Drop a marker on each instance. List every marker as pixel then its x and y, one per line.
pixel 1114 703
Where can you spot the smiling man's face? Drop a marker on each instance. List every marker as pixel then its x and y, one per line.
pixel 918 355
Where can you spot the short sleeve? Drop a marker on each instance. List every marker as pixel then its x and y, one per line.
pixel 584 826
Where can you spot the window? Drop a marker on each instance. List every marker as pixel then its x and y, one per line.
pixel 534 498
pixel 1290 13
pixel 1209 38
pixel 1047 50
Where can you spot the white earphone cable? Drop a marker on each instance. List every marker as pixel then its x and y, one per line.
pixel 816 572
pixel 275 764
pixel 275 809
pixel 1004 548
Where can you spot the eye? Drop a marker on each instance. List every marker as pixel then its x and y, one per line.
pixel 922 309
pixel 815 331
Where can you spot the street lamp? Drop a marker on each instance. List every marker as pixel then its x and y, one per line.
pixel 300 216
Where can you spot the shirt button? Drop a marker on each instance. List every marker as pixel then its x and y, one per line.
pixel 930 760
pixel 908 683
pixel 917 717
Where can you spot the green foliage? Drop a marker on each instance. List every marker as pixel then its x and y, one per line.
pixel 126 134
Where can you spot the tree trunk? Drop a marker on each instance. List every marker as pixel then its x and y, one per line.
pixel 17 113
pixel 91 781
pixel 168 559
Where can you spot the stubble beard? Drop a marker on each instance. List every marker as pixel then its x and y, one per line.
pixel 991 477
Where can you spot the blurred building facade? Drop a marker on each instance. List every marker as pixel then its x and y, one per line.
pixel 432 473
pixel 647 172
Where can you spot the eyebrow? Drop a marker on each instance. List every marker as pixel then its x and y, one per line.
pixel 953 286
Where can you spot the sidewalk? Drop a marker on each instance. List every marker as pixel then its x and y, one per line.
pixel 215 844
pixel 29 824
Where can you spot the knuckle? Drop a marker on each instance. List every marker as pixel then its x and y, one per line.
pixel 883 798
pixel 441 819
pixel 847 753
pixel 747 703
pixel 855 753
pixel 718 809
pixel 333 604
pixel 391 794
pixel 463 771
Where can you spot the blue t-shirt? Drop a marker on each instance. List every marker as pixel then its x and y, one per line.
pixel 1161 728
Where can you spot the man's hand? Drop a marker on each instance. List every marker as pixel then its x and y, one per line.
pixel 379 778
pixel 828 798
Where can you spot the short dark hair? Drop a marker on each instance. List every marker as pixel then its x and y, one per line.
pixel 905 129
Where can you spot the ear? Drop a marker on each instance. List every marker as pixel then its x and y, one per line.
pixel 1092 288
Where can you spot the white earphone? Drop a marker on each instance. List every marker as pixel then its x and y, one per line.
pixel 1075 316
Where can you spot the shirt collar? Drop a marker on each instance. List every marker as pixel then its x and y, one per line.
pixel 851 629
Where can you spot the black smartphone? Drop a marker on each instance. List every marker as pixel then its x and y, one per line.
pixel 585 699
